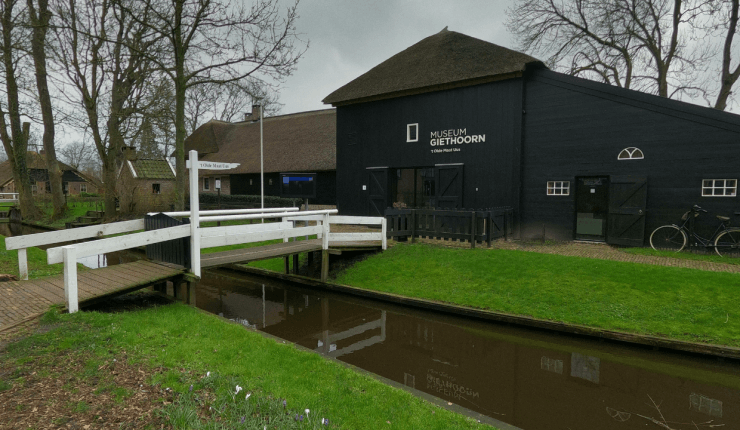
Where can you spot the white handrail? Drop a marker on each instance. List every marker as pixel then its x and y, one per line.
pixel 226 211
pixel 21 243
pixel 266 215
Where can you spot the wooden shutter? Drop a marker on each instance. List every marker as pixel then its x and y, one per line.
pixel 627 207
pixel 449 187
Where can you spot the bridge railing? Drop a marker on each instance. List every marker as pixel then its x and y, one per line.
pixel 8 197
pixel 349 220
pixel 21 243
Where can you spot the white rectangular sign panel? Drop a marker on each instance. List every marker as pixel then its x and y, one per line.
pixel 212 165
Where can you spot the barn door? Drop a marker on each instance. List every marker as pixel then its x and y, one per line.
pixel 377 196
pixel 627 207
pixel 449 187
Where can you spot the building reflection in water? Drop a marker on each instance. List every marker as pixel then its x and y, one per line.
pixel 529 379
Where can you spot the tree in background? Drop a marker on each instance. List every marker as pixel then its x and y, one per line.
pixel 105 55
pixel 664 47
pixel 39 18
pixel 219 42
pixel 12 48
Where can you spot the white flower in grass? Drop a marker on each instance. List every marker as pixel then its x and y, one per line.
pixel 307 411
pixel 208 374
pixel 248 394
pixel 238 388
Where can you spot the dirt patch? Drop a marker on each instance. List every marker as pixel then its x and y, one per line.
pixel 76 391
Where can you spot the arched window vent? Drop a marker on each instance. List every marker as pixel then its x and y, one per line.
pixel 631 153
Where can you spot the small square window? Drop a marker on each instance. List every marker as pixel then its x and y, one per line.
pixel 269 182
pixel 719 188
pixel 250 182
pixel 206 184
pixel 83 188
pixel 558 188
pixel 412 132
pixel 156 189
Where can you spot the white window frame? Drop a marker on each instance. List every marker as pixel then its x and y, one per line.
pixel 408 132
pixel 631 151
pixel 206 184
pixel 158 189
pixel 558 188
pixel 718 184
pixel 83 188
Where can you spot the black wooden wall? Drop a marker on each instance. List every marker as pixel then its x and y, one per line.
pixel 373 134
pixel 574 127
pixel 326 186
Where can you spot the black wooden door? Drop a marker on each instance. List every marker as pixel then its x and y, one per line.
pixel 627 202
pixel 377 192
pixel 449 187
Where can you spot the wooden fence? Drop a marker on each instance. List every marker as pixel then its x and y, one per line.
pixel 474 226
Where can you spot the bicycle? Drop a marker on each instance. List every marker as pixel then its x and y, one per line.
pixel 725 240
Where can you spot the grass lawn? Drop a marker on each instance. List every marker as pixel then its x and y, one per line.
pixel 37 266
pixel 671 302
pixel 195 362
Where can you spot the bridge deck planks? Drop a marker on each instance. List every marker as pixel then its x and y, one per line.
pixel 265 252
pixel 20 300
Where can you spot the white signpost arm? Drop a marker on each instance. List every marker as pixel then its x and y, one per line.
pixel 194 215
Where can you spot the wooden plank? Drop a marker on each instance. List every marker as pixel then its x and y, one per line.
pixel 59 283
pixel 263 216
pixel 235 239
pixel 354 237
pixel 259 253
pixel 243 229
pixel 45 289
pixel 51 237
pixel 226 211
pixel 355 220
pixel 102 246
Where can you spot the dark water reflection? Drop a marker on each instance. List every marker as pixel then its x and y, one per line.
pixel 529 379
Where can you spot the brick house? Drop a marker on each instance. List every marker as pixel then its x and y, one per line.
pixel 74 182
pixel 145 185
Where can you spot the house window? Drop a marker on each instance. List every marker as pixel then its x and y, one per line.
pixel 412 132
pixel 558 188
pixel 83 188
pixel 719 188
pixel 631 153
pixel 269 182
pixel 250 182
pixel 156 189
pixel 206 184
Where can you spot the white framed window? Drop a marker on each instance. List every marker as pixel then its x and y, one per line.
pixel 83 188
pixel 412 132
pixel 558 188
pixel 156 189
pixel 250 182
pixel 631 153
pixel 269 182
pixel 719 187
pixel 206 184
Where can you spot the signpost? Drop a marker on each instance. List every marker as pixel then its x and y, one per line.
pixel 193 164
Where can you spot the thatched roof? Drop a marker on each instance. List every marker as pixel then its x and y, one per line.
pixel 297 142
pixel 445 60
pixel 151 168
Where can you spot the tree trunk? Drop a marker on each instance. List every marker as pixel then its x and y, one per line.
pixel 40 23
pixel 109 183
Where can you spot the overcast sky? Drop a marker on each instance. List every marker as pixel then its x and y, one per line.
pixel 348 38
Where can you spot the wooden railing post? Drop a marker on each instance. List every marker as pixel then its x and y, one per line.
pixel 489 227
pixel 194 215
pixel 384 229
pixel 325 250
pixel 472 230
pixel 23 264
pixel 70 278
pixel 413 225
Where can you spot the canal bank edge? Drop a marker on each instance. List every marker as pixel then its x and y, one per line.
pixel 452 407
pixel 640 339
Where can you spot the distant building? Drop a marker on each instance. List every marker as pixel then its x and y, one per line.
pixel 73 181
pixel 303 142
pixel 145 185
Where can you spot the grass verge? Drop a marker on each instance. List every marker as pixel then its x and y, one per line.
pixel 37 267
pixel 683 255
pixel 671 302
pixel 194 363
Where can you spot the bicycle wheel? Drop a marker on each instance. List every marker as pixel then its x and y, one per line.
pixel 727 243
pixel 668 238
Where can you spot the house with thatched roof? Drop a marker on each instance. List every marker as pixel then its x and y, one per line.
pixel 460 123
pixel 303 142
pixel 145 184
pixel 74 181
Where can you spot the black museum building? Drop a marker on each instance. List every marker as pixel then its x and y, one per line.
pixel 457 122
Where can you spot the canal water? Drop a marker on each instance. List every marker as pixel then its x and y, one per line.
pixel 530 379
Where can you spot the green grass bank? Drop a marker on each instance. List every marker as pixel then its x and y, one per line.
pixel 676 303
pixel 183 345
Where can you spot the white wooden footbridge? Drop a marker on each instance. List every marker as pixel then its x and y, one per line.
pixel 288 224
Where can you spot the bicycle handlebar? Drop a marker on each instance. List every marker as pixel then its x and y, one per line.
pixel 697 208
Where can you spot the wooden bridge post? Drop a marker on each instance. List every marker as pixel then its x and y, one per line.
pixel 287 264
pixel 295 264
pixel 325 249
pixel 70 278
pixel 194 215
pixel 23 264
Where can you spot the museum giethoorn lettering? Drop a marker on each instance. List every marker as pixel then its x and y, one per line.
pixel 455 137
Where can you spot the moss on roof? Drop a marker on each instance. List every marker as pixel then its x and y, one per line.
pixel 152 169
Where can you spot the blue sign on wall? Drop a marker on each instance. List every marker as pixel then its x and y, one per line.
pixel 298 185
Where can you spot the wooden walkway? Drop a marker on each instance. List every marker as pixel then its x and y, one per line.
pixel 22 300
pixel 246 255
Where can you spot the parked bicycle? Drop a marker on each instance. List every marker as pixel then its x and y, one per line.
pixel 725 241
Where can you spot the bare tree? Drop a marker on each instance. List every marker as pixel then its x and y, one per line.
pixel 15 142
pixel 727 17
pixel 216 41
pixel 648 45
pixel 105 57
pixel 39 17
pixel 78 153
